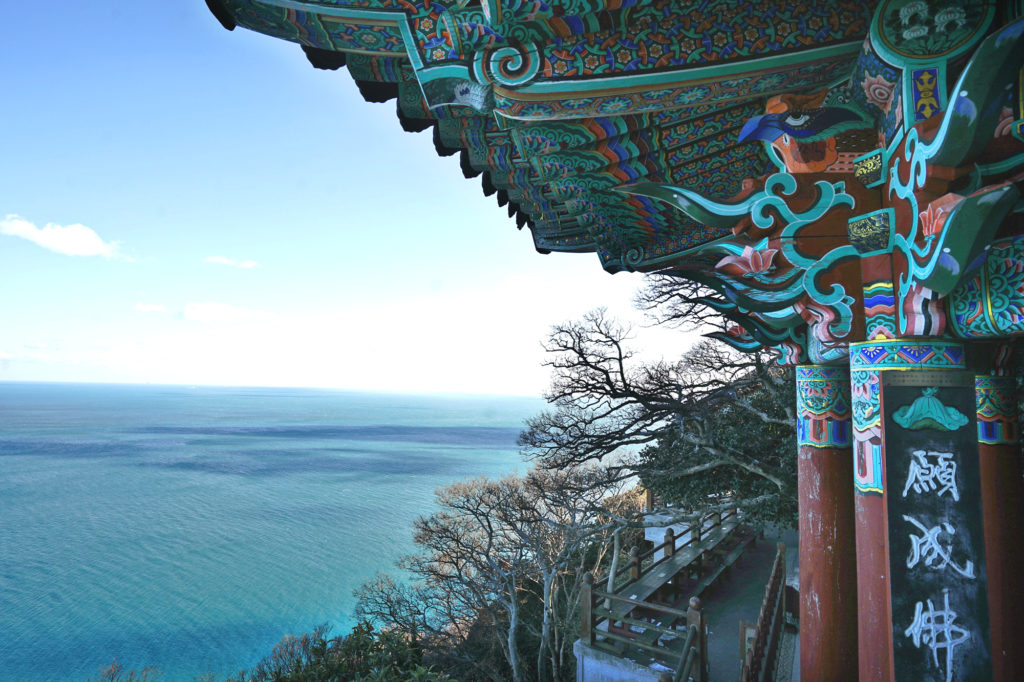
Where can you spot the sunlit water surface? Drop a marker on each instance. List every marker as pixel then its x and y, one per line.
pixel 190 528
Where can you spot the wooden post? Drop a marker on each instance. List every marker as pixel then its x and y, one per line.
pixel 778 608
pixel 1002 505
pixel 695 616
pixel 587 609
pixel 634 562
pixel 695 533
pixel 615 565
pixel 670 542
pixel 648 500
pixel 828 560
pixel 744 626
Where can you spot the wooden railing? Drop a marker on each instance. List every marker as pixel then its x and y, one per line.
pixel 694 648
pixel 648 622
pixel 636 566
pixel 760 659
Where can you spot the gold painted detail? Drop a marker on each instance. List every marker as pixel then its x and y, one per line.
pixel 927 103
pixel 869 233
pixel 868 169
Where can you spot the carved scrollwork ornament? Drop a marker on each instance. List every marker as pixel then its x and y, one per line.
pixel 509 66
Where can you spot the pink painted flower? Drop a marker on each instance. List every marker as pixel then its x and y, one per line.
pixel 879 92
pixel 934 217
pixel 749 262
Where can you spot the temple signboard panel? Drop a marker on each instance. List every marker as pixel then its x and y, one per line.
pixel 936 542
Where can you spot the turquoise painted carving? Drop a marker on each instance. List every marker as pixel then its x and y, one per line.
pixel 867 431
pixel 997 410
pixel 990 304
pixel 823 406
pixel 947 235
pixel 928 412
pixel 867 362
pixel 748 271
pixel 907 354
pixel 922 30
pixel 879 311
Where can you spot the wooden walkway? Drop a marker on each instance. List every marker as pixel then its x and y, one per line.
pixel 644 618
pixel 691 556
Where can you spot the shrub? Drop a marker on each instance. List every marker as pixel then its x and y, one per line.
pixel 364 655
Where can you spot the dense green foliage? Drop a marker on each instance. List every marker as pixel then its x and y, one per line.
pixel 364 655
pixel 681 471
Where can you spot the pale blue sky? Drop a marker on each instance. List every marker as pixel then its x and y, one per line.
pixel 190 153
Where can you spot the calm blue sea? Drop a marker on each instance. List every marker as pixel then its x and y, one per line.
pixel 191 528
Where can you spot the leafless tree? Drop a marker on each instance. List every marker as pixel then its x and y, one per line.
pixel 716 416
pixel 493 546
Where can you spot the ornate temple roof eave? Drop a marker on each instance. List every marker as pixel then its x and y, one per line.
pixel 411 124
pixel 684 263
pixel 628 83
pixel 439 146
pixel 584 221
pixel 221 13
pixel 328 60
pixel 680 92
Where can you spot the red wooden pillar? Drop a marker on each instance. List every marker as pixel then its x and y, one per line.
pixel 921 563
pixel 874 615
pixel 828 573
pixel 1002 504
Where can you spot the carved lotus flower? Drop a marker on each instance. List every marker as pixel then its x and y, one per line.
pixel 915 32
pixel 934 217
pixel 749 262
pixel 932 220
pixel 914 12
pixel 879 92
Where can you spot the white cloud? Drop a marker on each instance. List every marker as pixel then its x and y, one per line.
pixel 5 355
pixel 231 262
pixel 210 311
pixel 484 339
pixel 150 308
pixel 71 240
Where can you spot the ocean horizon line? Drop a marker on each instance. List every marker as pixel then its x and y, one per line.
pixel 326 389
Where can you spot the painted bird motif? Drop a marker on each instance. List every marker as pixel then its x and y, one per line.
pixel 811 138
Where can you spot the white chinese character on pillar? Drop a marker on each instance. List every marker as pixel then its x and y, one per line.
pixel 932 471
pixel 926 548
pixel 937 630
